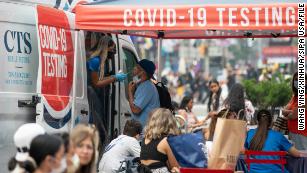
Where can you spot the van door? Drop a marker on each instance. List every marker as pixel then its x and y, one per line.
pixel 128 60
pixel 80 104
pixel 56 68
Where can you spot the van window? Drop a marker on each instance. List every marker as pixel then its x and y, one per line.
pixel 130 61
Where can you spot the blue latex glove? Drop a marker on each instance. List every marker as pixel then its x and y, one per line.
pixel 120 76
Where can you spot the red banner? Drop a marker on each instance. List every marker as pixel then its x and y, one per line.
pixel 56 56
pixel 228 19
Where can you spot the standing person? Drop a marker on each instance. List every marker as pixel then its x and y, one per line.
pixel 231 78
pixel 216 98
pixel 85 140
pixel 124 146
pixel 235 101
pixel 185 110
pixel 265 139
pixel 22 140
pixel 46 155
pixel 156 153
pixel 106 49
pixel 96 64
pixel 299 137
pixel 143 94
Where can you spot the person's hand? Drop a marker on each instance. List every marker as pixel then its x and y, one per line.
pixel 286 112
pixel 175 170
pixel 303 153
pixel 120 76
pixel 212 114
pixel 131 87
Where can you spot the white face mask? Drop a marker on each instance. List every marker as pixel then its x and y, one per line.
pixel 62 167
pixel 75 164
pixel 136 79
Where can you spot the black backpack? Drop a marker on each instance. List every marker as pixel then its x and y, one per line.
pixel 164 96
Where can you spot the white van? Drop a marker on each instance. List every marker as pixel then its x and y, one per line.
pixel 44 77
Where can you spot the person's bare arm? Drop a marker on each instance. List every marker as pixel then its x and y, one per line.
pixel 294 152
pixel 196 119
pixel 166 149
pixel 286 110
pixel 210 115
pixel 294 114
pixel 103 82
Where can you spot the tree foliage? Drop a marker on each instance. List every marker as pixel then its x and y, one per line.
pixel 268 94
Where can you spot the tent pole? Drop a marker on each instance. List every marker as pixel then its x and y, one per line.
pixel 159 62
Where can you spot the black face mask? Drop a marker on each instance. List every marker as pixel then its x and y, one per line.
pixel 111 54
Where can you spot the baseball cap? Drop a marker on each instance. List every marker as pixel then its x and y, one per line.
pixel 23 138
pixel 148 66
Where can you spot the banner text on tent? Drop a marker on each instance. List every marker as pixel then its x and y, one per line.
pixel 232 17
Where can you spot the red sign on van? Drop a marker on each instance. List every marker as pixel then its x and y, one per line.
pixel 56 56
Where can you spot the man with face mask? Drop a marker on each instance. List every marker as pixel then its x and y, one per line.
pixel 143 94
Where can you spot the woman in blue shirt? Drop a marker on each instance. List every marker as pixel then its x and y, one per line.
pixel 97 78
pixel 106 49
pixel 265 139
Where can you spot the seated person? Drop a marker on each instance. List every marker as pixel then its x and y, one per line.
pixel 185 110
pixel 122 147
pixel 156 154
pixel 265 139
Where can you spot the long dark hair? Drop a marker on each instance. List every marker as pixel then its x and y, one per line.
pixel 217 101
pixel 185 101
pixel 235 99
pixel 42 146
pixel 66 140
pixel 264 119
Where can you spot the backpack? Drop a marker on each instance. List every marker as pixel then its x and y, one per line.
pixel 164 96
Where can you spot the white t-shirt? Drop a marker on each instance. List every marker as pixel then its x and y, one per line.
pixel 118 150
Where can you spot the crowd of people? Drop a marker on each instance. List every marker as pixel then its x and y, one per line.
pixel 146 137
pixel 195 82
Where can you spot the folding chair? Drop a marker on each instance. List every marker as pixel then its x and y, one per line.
pixel 204 170
pixel 282 160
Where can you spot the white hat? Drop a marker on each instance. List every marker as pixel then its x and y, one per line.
pixel 23 138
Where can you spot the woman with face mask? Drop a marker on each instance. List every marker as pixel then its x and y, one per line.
pixel 22 140
pixel 299 137
pixel 85 142
pixel 46 155
pixel 72 159
pixel 104 49
pixel 97 64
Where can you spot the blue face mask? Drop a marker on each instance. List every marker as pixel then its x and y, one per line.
pixel 295 84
